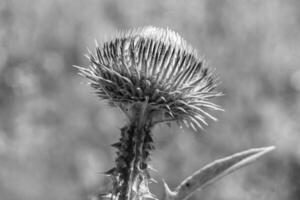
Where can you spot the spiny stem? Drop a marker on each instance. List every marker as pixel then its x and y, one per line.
pixel 134 172
pixel 131 176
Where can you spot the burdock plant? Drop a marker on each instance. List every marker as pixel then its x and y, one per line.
pixel 154 76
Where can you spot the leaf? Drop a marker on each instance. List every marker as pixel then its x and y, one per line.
pixel 214 171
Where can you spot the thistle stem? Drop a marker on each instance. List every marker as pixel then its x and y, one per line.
pixel 131 174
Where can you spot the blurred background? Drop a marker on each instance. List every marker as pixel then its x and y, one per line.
pixel 55 133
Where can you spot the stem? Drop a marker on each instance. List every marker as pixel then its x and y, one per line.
pixel 131 176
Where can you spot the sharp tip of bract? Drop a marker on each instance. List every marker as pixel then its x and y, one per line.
pixel 96 43
pixel 267 149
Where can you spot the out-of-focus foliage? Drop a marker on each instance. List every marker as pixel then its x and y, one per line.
pixel 54 133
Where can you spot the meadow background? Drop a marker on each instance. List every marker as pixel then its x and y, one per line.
pixel 55 133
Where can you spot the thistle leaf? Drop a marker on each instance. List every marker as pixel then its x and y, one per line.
pixel 214 171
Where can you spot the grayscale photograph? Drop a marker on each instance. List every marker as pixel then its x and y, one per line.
pixel 149 100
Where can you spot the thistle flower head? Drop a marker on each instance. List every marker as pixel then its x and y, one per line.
pixel 157 68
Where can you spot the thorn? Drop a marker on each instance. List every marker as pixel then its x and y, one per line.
pixel 152 168
pixel 150 196
pixel 116 145
pixel 105 195
pixel 152 180
pixel 110 172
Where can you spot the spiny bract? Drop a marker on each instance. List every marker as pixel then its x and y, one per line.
pixel 155 66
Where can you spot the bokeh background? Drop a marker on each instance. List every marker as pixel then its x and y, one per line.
pixel 55 133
